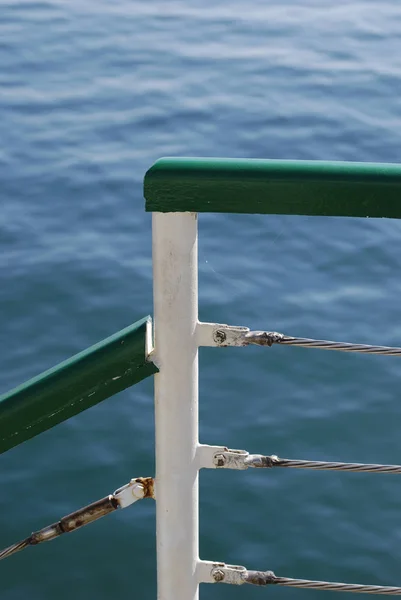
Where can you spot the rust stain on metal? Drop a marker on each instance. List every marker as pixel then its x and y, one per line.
pixel 89 513
pixel 220 460
pixel 264 338
pixel 219 337
pixel 261 577
pixel 265 462
pixel 79 518
pixel 218 575
pixel 148 486
pixel 46 534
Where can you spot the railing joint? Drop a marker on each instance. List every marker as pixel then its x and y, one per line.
pixel 221 457
pixel 219 572
pixel 220 335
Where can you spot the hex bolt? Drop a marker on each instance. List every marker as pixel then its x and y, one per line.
pixel 218 575
pixel 220 460
pixel 138 491
pixel 219 337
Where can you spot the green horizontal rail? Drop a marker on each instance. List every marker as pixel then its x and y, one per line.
pixel 75 385
pixel 274 187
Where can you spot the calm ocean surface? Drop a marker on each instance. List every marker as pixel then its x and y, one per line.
pixel 91 94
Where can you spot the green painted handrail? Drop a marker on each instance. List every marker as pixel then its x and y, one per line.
pixel 274 187
pixel 75 385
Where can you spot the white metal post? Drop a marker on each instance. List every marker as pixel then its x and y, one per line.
pixel 175 293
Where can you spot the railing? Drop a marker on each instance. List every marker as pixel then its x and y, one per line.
pixel 76 384
pixel 175 191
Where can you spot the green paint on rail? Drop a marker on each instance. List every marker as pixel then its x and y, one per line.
pixel 274 187
pixel 74 385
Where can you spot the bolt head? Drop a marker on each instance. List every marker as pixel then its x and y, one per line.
pixel 219 337
pixel 138 491
pixel 218 575
pixel 219 460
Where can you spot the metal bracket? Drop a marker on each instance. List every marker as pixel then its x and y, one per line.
pixel 136 489
pixel 216 334
pixel 205 455
pixel 129 493
pixel 220 457
pixel 231 459
pixel 215 572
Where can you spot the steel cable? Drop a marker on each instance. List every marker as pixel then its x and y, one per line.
pixel 267 462
pixel 269 578
pixel 268 338
pixel 15 548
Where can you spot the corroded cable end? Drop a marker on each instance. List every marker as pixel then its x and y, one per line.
pixel 263 338
pixel 142 487
pixel 46 534
pixel 260 577
pixel 259 461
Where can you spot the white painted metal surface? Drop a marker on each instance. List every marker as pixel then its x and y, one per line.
pixel 215 572
pixel 175 293
pixel 129 493
pixel 217 334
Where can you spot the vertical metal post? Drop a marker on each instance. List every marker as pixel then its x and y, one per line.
pixel 175 280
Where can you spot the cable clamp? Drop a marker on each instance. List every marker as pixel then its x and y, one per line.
pixel 215 572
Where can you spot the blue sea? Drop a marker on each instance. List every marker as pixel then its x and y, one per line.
pixel 91 94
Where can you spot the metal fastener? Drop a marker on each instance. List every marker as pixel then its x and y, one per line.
pixel 220 460
pixel 219 336
pixel 218 575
